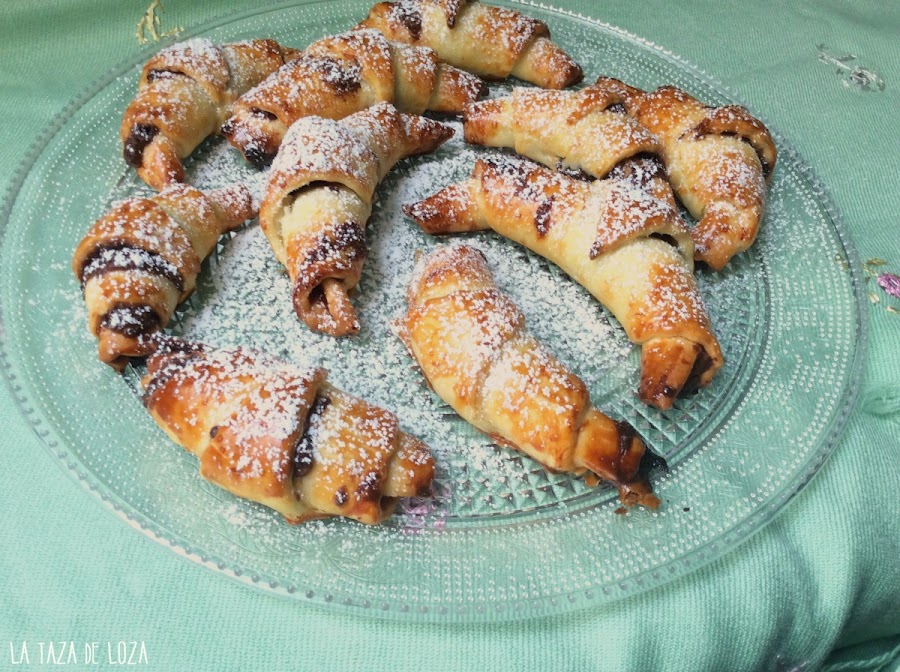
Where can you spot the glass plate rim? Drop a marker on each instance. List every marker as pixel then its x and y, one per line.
pixel 540 607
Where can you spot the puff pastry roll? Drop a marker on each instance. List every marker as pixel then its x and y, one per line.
pixel 719 161
pixel 338 76
pixel 282 436
pixel 142 258
pixel 472 345
pixel 185 93
pixel 626 247
pixel 319 197
pixel 493 42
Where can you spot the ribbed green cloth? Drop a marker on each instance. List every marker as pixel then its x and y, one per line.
pixel 818 587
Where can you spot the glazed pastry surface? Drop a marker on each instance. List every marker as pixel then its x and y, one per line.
pixel 282 436
pixel 319 197
pixel 474 349
pixel 626 247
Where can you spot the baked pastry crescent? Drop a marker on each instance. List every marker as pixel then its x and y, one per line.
pixel 282 436
pixel 626 247
pixel 472 345
pixel 492 42
pixel 341 75
pixel 185 93
pixel 719 161
pixel 142 258
pixel 319 197
pixel 570 131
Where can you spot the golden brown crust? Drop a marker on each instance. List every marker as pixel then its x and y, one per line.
pixel 184 95
pixel 141 259
pixel 626 246
pixel 338 76
pixel 719 161
pixel 493 42
pixel 472 345
pixel 585 130
pixel 282 436
pixel 319 198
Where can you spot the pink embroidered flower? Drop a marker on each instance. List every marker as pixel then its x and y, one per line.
pixel 890 283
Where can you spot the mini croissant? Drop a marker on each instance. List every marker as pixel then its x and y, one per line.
pixel 319 198
pixel 185 93
pixel 282 436
pixel 719 160
pixel 585 130
pixel 472 345
pixel 582 133
pixel 492 42
pixel 625 246
pixel 338 76
pixel 141 259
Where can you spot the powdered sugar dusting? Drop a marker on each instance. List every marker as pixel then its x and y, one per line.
pixel 198 57
pixel 245 299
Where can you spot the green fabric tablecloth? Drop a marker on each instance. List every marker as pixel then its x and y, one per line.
pixel 818 587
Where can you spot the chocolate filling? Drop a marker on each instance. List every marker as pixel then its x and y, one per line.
pixel 626 435
pixel 303 456
pixel 156 74
pixel 124 257
pixel 341 496
pixel 131 320
pixel 669 391
pixel 574 173
pixel 341 80
pixel 263 114
pixel 348 237
pixel 666 238
pixel 260 158
pixel 410 17
pixel 639 169
pixel 133 150
pixel 369 488
pixel 542 221
pixel 703 364
pixel 178 354
pixel 651 461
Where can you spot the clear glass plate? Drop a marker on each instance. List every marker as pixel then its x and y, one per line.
pixel 502 538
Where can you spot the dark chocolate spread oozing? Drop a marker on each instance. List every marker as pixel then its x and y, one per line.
pixel 133 150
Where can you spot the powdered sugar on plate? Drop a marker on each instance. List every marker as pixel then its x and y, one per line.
pixel 244 298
